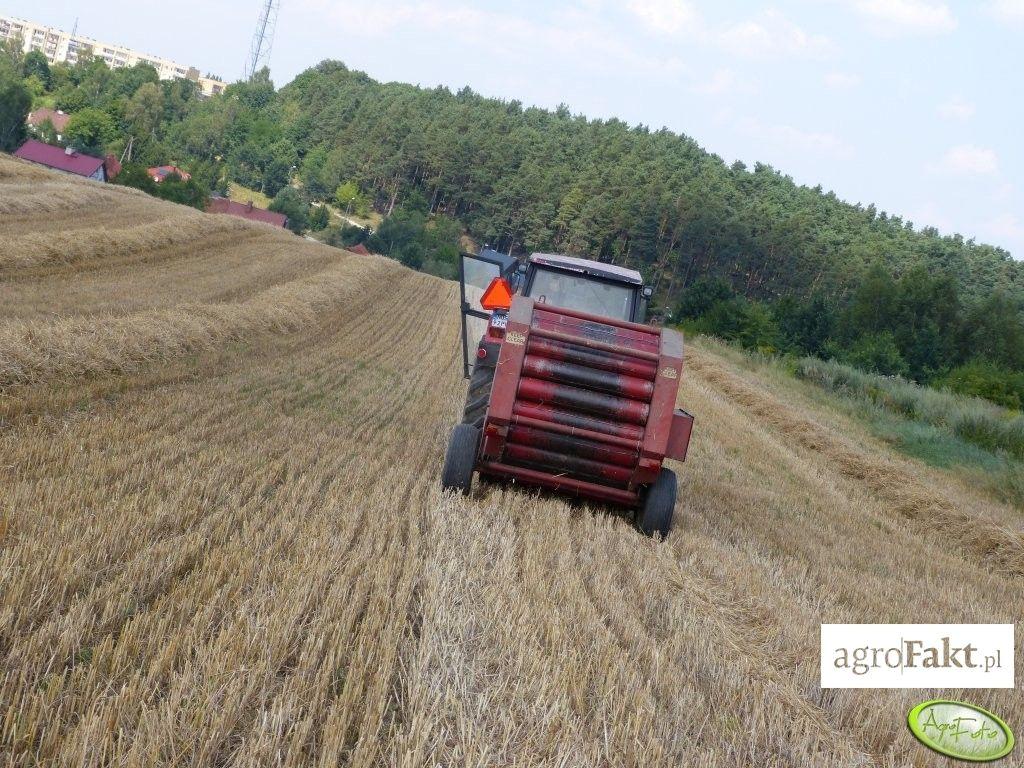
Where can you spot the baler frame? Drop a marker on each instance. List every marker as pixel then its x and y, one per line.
pixel 666 431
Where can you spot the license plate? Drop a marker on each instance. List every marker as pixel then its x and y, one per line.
pixel 499 321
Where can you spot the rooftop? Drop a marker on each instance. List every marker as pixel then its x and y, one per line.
pixel 161 172
pixel 56 117
pixel 58 158
pixel 589 267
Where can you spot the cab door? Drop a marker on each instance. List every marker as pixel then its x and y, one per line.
pixel 475 274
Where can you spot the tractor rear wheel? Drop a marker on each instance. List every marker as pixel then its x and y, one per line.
pixel 460 460
pixel 659 504
pixel 478 395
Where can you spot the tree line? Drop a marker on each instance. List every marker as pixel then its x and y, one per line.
pixel 742 252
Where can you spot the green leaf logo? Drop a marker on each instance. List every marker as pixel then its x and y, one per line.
pixel 959 730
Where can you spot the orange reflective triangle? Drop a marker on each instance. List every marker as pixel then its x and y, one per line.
pixel 498 295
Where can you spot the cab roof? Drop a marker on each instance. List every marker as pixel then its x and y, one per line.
pixel 586 266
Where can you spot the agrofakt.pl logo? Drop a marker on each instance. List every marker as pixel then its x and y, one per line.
pixel 917 656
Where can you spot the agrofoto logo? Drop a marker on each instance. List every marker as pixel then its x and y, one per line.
pixel 959 730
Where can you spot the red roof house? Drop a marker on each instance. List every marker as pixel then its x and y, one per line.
pixel 66 160
pixel 161 172
pixel 246 211
pixel 360 249
pixel 56 117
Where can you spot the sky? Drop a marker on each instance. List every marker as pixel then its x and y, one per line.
pixel 916 106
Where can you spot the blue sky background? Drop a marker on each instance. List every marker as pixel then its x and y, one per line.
pixel 914 105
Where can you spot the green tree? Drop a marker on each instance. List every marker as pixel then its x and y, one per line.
pixel 993 331
pixel 319 217
pixel 704 294
pixel 255 94
pixel 35 65
pixel 11 52
pixel 875 303
pixel 289 202
pixel 877 353
pixel 90 130
pixel 144 112
pixel 15 103
pixel 348 197
pixel 277 172
pixel 46 132
pixel 69 98
pixel 805 326
pixel 35 87
pixel 314 174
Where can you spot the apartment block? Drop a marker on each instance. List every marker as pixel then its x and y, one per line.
pixel 59 46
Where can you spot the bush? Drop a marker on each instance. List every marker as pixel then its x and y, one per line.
pixel 975 421
pixel 346 236
pixel 701 296
pixel 417 240
pixel 319 217
pixel 748 322
pixel 876 353
pixel 192 192
pixel 981 378
pixel 289 202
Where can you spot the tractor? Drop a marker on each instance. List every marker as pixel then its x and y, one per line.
pixel 569 390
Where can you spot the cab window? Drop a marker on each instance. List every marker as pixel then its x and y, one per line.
pixel 582 293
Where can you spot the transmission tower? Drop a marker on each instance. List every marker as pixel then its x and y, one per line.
pixel 263 39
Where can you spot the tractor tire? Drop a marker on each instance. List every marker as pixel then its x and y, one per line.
pixel 659 505
pixel 478 396
pixel 460 459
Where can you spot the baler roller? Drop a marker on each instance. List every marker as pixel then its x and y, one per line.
pixel 603 346
pixel 573 465
pixel 625 434
pixel 621 408
pixel 573 445
pixel 589 378
pixel 604 361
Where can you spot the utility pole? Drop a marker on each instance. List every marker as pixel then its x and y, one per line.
pixel 263 39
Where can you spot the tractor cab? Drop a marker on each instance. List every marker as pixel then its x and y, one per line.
pixel 568 282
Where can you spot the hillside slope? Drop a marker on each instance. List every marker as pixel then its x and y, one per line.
pixel 223 541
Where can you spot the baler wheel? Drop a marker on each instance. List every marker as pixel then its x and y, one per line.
pixel 659 504
pixel 460 460
pixel 478 396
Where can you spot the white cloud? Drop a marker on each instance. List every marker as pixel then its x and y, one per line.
pixel 667 17
pixel 1007 225
pixel 1009 10
pixel 893 17
pixel 839 81
pixel 574 33
pixel 823 142
pixel 1007 230
pixel 957 108
pixel 772 33
pixel 721 82
pixel 970 159
pixel 929 215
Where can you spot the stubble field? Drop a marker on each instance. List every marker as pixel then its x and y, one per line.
pixel 222 540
